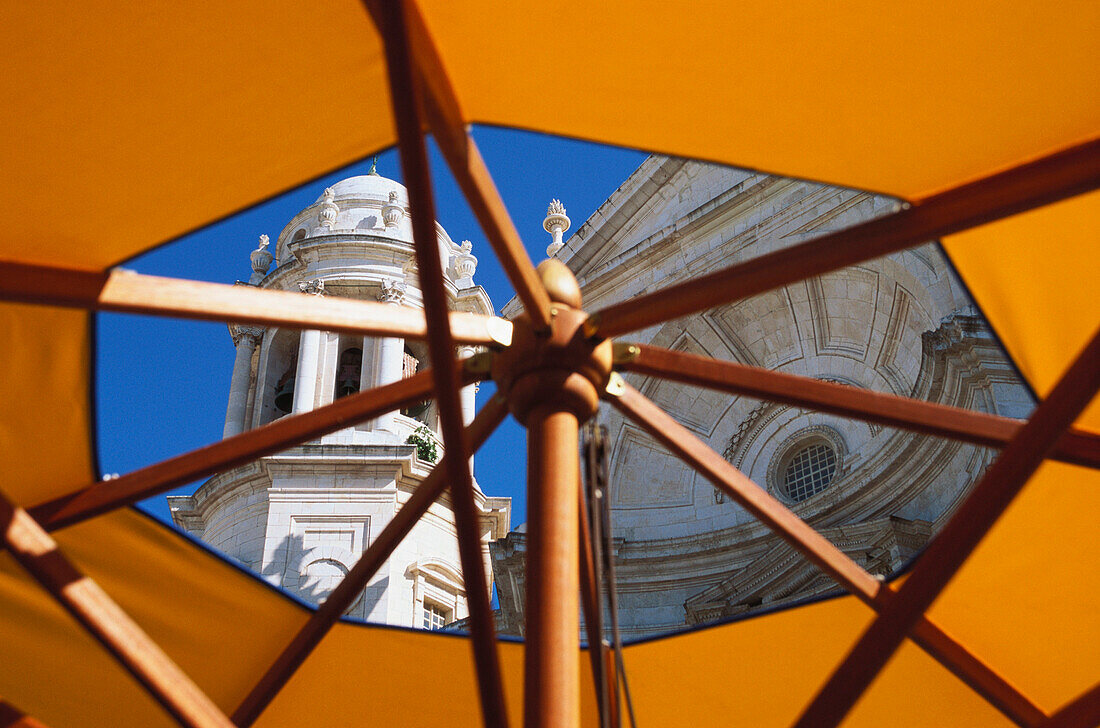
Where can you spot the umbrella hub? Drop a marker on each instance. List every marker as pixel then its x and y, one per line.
pixel 561 370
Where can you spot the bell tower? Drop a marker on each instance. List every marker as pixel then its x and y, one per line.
pixel 301 518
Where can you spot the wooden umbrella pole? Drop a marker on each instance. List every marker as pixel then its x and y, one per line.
pixel 40 556
pixel 552 676
pixel 552 384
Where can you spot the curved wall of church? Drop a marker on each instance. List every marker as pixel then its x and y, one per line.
pixel 901 324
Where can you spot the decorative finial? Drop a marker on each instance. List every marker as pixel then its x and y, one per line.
pixel 261 259
pixel 556 223
pixel 328 210
pixel 465 263
pixel 374 166
pixel 392 212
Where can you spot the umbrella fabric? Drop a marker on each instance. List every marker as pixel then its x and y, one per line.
pixel 125 126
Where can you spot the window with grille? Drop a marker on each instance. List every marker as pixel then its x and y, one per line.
pixel 434 617
pixel 809 472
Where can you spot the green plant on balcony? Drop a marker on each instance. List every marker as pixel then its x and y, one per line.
pixel 426 448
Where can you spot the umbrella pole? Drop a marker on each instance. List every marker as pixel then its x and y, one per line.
pixel 552 675
pixel 552 382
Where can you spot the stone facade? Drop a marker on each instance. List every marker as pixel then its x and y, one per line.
pixel 900 324
pixel 302 517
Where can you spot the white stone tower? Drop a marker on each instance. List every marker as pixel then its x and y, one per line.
pixel 302 517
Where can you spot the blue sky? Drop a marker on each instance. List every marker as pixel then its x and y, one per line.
pixel 162 384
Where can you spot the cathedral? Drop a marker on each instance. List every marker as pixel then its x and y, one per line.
pixel 301 518
pixel 684 554
pixel 902 324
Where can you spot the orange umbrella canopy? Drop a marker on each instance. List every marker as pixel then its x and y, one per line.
pixel 126 126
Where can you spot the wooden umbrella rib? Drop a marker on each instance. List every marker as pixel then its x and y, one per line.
pixel 1028 186
pixel 125 291
pixel 975 673
pixel 1078 447
pixel 822 552
pixel 448 125
pixel 953 545
pixel 1081 712
pixel 758 503
pixel 101 617
pixel 12 717
pixel 391 19
pixel 330 611
pixel 485 202
pixel 107 495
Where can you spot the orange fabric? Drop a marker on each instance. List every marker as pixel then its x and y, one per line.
pixel 127 125
pixel 1034 275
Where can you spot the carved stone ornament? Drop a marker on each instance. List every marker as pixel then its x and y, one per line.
pixel 261 259
pixel 328 209
pixel 393 291
pixel 392 211
pixel 248 335
pixel 314 287
pixel 465 262
pixel 556 223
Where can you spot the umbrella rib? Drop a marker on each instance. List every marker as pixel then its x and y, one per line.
pixel 821 552
pixel 104 620
pixel 1041 182
pixel 125 291
pixel 390 18
pixel 445 119
pixel 12 717
pixel 1078 447
pixel 771 512
pixel 329 612
pixel 107 495
pixel 1081 712
pixel 958 539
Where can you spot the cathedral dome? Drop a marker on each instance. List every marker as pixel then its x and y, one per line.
pixel 366 186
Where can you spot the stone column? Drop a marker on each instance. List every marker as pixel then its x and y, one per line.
pixel 245 339
pixel 468 396
pixel 469 392
pixel 305 378
pixel 309 357
pixel 390 351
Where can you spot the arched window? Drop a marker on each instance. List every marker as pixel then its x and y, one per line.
pixel 284 389
pixel 409 366
pixel 349 372
pixel 809 470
